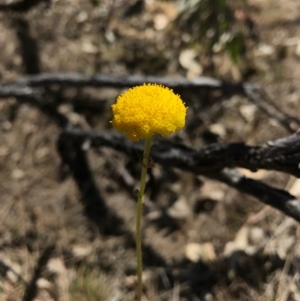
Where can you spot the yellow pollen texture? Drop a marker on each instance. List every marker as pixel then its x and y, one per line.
pixel 146 110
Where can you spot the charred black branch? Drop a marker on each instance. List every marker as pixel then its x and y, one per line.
pixel 215 162
pixel 103 80
pixel 280 155
pixel 253 92
pixel 20 91
pixel 268 195
pixel 21 6
pixel 29 49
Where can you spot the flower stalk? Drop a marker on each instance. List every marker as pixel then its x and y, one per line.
pixel 139 214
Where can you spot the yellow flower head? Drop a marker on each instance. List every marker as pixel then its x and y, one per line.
pixel 146 110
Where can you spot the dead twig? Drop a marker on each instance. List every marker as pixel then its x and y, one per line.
pixel 31 289
pixel 263 102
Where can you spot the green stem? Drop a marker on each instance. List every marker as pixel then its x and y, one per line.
pixel 139 213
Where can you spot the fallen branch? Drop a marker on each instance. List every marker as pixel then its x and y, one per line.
pixel 103 80
pixel 280 155
pixel 20 91
pixel 215 162
pixel 21 6
pixel 253 92
pixel 266 194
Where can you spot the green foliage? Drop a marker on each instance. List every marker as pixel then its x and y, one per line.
pixel 213 23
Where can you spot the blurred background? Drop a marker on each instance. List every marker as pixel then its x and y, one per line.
pixel 202 239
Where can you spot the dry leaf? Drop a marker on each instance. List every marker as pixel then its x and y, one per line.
pixel 204 252
pixel 257 236
pixel 160 21
pixel 82 251
pixel 295 188
pixel 46 285
pixel 187 61
pixel 180 210
pixel 240 242
pixel 89 48
pixel 212 190
pixel 257 175
pixel 248 111
pixel 218 129
pixel 264 49
pixel 17 174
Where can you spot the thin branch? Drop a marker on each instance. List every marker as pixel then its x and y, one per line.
pixel 32 289
pixel 20 91
pixel 103 80
pixel 33 87
pixel 260 97
pixel 253 92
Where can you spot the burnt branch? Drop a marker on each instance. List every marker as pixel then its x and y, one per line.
pixel 268 195
pixel 28 45
pixel 21 6
pixel 216 162
pixel 34 86
pixel 253 92
pixel 280 155
pixel 20 91
pixel 103 80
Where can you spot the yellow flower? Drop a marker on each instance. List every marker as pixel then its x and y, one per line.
pixel 146 110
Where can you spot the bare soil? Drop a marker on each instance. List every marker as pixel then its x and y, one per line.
pixel 202 240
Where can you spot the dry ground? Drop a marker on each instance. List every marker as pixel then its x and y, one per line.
pixel 203 240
